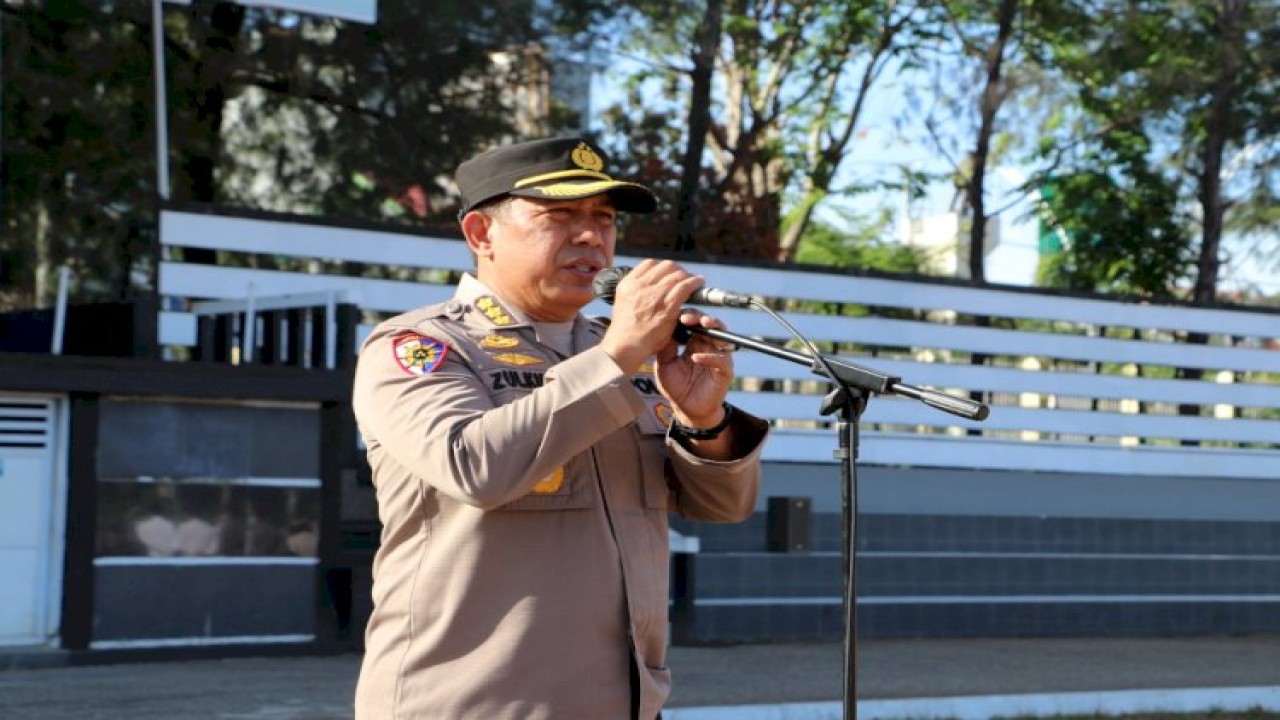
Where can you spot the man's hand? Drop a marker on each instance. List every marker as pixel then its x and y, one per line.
pixel 646 308
pixel 696 380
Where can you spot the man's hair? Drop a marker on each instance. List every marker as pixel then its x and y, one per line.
pixel 498 208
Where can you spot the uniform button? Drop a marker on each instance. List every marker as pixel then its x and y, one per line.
pixel 453 308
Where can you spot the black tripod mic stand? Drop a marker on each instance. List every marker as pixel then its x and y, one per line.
pixel 854 387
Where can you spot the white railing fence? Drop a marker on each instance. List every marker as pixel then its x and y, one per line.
pixel 1074 383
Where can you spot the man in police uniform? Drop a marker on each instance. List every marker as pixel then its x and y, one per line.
pixel 526 458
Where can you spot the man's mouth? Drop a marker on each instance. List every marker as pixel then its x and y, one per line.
pixel 584 267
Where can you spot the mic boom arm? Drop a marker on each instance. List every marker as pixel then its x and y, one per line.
pixel 848 373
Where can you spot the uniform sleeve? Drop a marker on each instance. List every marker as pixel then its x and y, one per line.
pixel 719 490
pixel 442 425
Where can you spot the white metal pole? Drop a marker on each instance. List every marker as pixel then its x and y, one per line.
pixel 162 100
pixel 330 330
pixel 248 336
pixel 60 309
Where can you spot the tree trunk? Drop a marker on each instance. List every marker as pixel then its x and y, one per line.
pixel 1217 130
pixel 992 98
pixel 704 59
pixel 44 294
pixel 199 154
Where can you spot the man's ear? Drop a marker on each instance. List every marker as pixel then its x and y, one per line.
pixel 475 228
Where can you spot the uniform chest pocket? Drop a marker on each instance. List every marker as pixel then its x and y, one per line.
pixel 653 458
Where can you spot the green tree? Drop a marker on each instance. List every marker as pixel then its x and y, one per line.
pixel 267 109
pixel 377 111
pixel 1190 88
pixel 859 243
pixel 77 179
pixel 792 80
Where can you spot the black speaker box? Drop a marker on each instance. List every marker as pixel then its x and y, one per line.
pixel 790 526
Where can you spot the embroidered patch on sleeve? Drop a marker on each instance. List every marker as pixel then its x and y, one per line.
pixel 418 354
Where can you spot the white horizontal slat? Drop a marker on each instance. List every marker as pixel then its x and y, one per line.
pixel 406 249
pixel 901 411
pixel 264 303
pixel 942 375
pixel 410 250
pixel 275 237
pixel 901 293
pixel 227 283
pixel 885 332
pixel 941 451
pixel 25 426
pixel 23 410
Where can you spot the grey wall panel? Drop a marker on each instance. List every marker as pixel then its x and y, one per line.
pixel 183 439
pixel 204 602
pixel 942 491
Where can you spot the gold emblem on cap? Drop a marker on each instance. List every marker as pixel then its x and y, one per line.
pixel 586 158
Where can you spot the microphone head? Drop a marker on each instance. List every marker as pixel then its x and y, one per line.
pixel 605 284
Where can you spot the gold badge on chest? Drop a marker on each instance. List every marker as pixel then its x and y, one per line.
pixel 499 342
pixel 518 359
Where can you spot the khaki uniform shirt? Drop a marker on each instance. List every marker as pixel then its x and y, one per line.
pixel 524 499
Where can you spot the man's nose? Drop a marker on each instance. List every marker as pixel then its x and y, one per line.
pixel 588 234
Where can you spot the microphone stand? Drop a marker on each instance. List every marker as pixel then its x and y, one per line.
pixel 854 386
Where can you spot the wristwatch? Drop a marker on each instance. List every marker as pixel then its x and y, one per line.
pixel 684 431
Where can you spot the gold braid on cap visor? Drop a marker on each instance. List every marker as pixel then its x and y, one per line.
pixel 561 174
pixel 579 189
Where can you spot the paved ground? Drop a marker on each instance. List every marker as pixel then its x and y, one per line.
pixel 320 688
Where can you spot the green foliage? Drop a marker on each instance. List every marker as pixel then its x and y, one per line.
pixel 1120 222
pixel 76 147
pixel 267 110
pixel 1171 144
pixel 860 246
pixel 791 82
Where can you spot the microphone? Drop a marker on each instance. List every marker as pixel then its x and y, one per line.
pixel 605 286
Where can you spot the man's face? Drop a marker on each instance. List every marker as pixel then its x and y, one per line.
pixel 542 255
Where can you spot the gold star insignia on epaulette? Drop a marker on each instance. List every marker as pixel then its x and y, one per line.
pixel 495 312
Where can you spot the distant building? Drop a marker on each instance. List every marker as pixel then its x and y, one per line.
pixel 944 238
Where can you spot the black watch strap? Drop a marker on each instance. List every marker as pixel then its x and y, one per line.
pixel 679 430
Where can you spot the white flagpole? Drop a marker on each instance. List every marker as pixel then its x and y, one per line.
pixel 162 100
